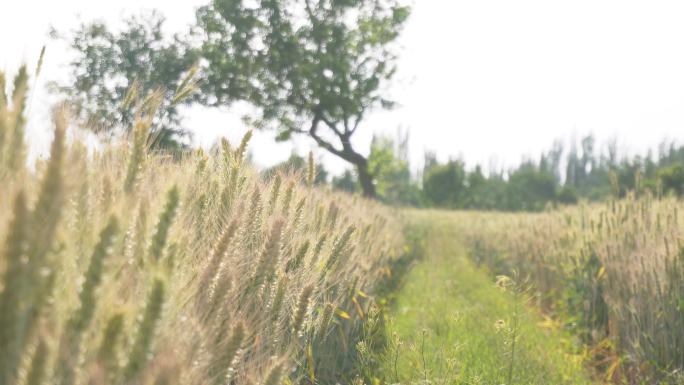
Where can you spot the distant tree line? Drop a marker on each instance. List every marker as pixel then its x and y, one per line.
pixel 560 176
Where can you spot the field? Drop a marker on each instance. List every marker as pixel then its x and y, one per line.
pixel 127 264
pixel 612 273
pixel 541 296
pixel 452 325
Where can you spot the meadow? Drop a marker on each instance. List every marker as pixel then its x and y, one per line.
pixel 130 264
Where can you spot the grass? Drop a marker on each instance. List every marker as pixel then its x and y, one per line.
pixel 450 323
pixel 129 265
pixel 613 272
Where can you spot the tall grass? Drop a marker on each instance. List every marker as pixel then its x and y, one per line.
pixel 126 266
pixel 613 272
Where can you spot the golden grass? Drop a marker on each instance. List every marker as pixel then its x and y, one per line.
pixel 614 271
pixel 125 266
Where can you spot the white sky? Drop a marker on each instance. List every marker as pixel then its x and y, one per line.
pixel 478 78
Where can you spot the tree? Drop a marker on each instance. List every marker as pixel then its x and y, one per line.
pixel 672 179
pixel 309 67
pixel 346 182
pixel 108 64
pixel 444 184
pixel 388 163
pixel 484 192
pixel 530 188
pixel 567 195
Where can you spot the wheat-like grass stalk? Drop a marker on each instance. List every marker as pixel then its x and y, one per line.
pixel 242 148
pixel 48 209
pixel 287 199
pixel 139 354
pixel 325 321
pixel 3 92
pixel 39 364
pixel 274 375
pixel 302 309
pixel 268 260
pixel 298 259
pixel 187 86
pixel 311 170
pixel 339 247
pixel 93 276
pixel 164 224
pixel 137 156
pixel 275 192
pixel 107 354
pixel 279 298
pixel 162 302
pixel 225 359
pixel 14 284
pixel 70 345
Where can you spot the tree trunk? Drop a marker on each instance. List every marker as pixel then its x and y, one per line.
pixel 347 153
pixel 366 180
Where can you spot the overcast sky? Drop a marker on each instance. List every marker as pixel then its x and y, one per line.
pixel 480 79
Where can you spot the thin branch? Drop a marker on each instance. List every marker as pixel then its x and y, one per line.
pixel 359 118
pixel 332 126
pixel 345 120
pixel 310 12
pixel 313 132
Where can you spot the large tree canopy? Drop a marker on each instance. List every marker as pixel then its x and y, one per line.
pixel 107 64
pixel 312 67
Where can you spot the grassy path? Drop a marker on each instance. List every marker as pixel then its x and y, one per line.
pixel 452 325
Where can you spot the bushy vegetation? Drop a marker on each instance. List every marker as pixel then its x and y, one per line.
pixel 558 177
pixel 130 265
pixel 612 273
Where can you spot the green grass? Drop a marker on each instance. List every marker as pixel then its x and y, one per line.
pixel 443 324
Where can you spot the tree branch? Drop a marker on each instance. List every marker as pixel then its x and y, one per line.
pixel 345 121
pixel 309 11
pixel 332 126
pixel 358 120
pixel 313 132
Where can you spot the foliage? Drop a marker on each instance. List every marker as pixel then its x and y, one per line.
pixel 530 188
pixel 443 185
pixel 536 185
pixel 346 182
pixel 672 179
pixel 310 67
pixel 390 166
pixel 107 65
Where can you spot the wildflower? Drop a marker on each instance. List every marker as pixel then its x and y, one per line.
pixel 503 282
